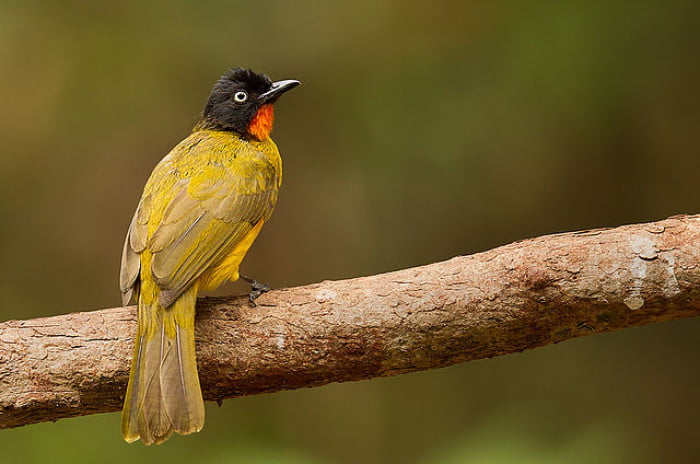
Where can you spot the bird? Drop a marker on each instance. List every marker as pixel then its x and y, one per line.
pixel 200 211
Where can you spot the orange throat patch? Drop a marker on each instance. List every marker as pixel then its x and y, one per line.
pixel 261 124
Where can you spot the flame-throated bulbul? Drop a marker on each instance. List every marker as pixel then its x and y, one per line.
pixel 200 211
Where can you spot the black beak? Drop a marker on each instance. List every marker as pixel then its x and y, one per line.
pixel 277 89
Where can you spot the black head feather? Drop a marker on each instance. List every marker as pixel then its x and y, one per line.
pixel 225 110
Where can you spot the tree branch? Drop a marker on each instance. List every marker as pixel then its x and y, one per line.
pixel 519 296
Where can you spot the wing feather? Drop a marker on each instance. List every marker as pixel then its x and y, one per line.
pixel 129 273
pixel 213 205
pixel 209 214
pixel 134 244
pixel 138 231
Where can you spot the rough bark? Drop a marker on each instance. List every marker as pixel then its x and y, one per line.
pixel 519 296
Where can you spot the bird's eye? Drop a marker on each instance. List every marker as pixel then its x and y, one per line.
pixel 240 96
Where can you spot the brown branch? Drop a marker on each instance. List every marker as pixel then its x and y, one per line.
pixel 512 298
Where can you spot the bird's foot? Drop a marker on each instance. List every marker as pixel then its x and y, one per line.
pixel 256 288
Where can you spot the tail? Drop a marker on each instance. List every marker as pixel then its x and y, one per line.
pixel 163 395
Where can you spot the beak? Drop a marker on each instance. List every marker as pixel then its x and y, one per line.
pixel 277 89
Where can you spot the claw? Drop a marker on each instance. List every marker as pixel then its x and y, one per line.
pixel 256 288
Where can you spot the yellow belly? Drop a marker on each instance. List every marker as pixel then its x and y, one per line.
pixel 227 269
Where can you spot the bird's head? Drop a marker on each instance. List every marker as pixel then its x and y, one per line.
pixel 242 101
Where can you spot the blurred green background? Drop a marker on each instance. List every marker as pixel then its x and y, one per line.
pixel 423 130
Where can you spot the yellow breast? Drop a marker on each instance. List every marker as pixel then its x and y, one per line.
pixel 227 269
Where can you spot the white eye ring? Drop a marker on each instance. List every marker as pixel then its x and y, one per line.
pixel 240 96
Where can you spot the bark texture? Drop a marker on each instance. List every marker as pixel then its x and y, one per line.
pixel 519 296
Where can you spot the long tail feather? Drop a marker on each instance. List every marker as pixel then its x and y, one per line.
pixel 163 395
pixel 181 392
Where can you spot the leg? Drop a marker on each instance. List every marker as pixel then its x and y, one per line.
pixel 256 288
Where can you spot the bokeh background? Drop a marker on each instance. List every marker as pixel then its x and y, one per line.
pixel 423 130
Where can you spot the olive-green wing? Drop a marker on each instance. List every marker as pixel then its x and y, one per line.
pixel 211 212
pixel 212 208
pixel 135 243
